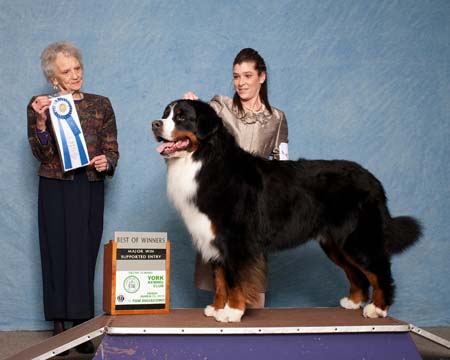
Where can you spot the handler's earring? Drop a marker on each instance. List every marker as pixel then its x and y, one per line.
pixel 55 87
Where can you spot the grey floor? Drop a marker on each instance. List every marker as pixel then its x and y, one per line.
pixel 12 342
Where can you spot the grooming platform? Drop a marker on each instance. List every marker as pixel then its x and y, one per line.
pixel 309 333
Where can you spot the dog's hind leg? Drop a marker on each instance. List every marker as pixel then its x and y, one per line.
pixel 379 276
pixel 377 270
pixel 371 259
pixel 365 249
pixel 359 285
pixel 221 292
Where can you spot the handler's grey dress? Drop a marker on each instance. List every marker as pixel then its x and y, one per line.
pixel 260 133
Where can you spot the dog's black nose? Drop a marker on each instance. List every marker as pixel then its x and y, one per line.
pixel 157 124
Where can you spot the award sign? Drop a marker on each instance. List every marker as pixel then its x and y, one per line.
pixel 69 135
pixel 136 273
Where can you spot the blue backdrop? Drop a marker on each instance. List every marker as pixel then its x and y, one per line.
pixel 360 80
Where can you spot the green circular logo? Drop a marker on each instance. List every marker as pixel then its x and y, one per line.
pixel 131 284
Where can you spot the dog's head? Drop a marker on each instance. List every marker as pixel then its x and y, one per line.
pixel 184 125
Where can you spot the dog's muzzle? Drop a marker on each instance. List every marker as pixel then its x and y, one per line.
pixel 157 126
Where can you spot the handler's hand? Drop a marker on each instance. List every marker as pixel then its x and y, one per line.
pixel 190 96
pixel 40 106
pixel 100 162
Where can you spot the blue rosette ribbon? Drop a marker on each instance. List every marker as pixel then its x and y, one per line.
pixel 62 109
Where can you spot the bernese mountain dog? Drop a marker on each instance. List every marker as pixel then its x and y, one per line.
pixel 238 207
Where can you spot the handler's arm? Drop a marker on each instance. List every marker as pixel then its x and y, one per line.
pixel 280 151
pixel 110 146
pixel 41 142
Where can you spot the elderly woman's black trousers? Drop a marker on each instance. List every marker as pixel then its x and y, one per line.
pixel 70 232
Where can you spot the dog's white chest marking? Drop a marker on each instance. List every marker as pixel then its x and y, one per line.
pixel 182 189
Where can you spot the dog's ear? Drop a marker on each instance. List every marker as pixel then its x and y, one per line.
pixel 208 122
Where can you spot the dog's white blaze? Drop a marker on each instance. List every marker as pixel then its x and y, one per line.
pixel 182 188
pixel 168 126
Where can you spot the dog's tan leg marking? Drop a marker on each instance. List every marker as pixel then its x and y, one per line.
pixel 378 307
pixel 235 307
pixel 221 295
pixel 358 293
pixel 221 292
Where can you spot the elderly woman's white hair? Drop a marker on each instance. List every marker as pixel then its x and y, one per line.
pixel 49 54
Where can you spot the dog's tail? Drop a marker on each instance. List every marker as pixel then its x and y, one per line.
pixel 400 233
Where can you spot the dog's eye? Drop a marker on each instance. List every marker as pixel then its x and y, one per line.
pixel 181 118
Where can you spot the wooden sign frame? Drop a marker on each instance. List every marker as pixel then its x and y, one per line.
pixel 109 283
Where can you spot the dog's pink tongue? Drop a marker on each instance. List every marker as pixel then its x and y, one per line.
pixel 182 144
pixel 163 146
pixel 169 147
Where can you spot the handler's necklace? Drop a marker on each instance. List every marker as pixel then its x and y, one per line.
pixel 254 110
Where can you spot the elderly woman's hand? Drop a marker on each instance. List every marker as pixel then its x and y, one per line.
pixel 40 106
pixel 100 162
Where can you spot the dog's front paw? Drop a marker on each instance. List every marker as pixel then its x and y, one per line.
pixel 228 314
pixel 346 303
pixel 371 311
pixel 210 311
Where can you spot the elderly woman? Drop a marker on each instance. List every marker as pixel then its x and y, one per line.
pixel 70 204
pixel 257 126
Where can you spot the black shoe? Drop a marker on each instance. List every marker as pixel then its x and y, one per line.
pixel 86 347
pixel 58 327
